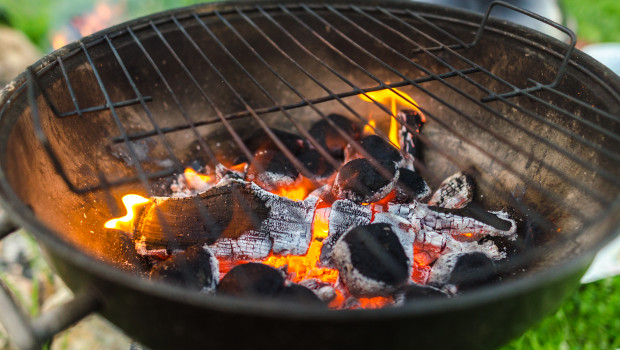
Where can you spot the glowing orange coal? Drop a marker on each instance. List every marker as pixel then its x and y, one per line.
pixel 306 266
pixel 102 16
pixel 392 97
pixel 297 192
pixel 125 223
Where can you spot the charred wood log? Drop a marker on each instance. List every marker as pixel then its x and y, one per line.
pixel 371 260
pixel 454 192
pixel 329 137
pixel 249 245
pixel 344 215
pixel 252 279
pixel 361 180
pixel 194 268
pixel 167 224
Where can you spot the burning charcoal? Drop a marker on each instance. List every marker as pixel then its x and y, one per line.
pixel 344 214
pixel 228 211
pixel 463 270
pixel 297 293
pixel 316 164
pixel 323 290
pixel 252 279
pixel 410 186
pixel 272 170
pixel 409 141
pixel 194 268
pixel 361 182
pixel 260 141
pixel 379 150
pixel 454 192
pixel 415 292
pixel 371 260
pixel 328 136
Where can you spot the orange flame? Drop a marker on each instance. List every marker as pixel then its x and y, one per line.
pixel 392 97
pixel 297 192
pixel 125 223
pixel 306 266
pixel 101 17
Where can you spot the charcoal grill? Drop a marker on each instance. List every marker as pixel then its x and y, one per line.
pixel 535 121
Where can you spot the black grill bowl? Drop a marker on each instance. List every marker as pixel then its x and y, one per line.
pixel 539 137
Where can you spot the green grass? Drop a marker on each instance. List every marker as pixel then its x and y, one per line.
pixel 589 320
pixel 597 20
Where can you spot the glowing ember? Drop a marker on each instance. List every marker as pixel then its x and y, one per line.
pixel 296 192
pixel 125 223
pixel 195 181
pixel 375 303
pixel 306 266
pixel 392 97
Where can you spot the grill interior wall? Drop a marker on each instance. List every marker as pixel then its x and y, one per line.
pixel 84 146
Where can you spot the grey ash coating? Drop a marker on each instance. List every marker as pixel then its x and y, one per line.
pixel 374 252
pixel 271 169
pixel 410 186
pixel 360 181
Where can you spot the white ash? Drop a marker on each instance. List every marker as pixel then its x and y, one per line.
pixel 141 249
pixel 462 228
pixel 344 214
pixel 289 223
pixel 441 271
pixel 454 192
pixel 250 245
pixel 215 271
pixel 357 283
pixel 325 291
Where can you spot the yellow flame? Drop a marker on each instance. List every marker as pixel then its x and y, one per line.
pixel 125 223
pixel 392 97
pixel 191 176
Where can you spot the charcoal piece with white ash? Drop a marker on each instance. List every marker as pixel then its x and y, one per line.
pixel 194 268
pixel 318 166
pixel 326 133
pixel 410 186
pixel 371 260
pixel 408 141
pixel 414 292
pixel 343 215
pixel 465 271
pixel 365 181
pixel 378 148
pixel 260 141
pixel 323 290
pixel 272 170
pixel 252 279
pixel 454 192
pixel 166 224
pixel 470 224
pixel 299 294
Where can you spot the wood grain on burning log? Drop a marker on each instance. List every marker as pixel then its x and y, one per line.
pixel 344 214
pixel 454 192
pixel 227 211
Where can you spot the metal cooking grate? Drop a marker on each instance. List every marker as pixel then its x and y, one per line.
pixel 353 38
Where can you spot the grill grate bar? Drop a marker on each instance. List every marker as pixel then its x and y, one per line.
pixel 457 110
pixel 610 177
pixel 299 104
pixel 537 218
pixel 302 168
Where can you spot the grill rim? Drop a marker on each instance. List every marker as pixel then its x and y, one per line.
pixel 13 205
